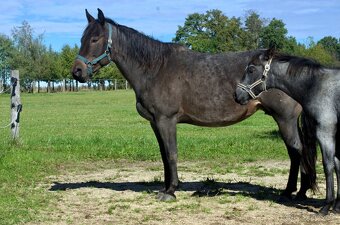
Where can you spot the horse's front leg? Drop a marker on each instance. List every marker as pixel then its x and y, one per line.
pixel 165 131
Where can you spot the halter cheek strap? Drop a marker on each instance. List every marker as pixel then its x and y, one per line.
pixel 106 54
pixel 262 80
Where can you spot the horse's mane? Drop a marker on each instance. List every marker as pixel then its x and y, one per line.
pixel 297 65
pixel 148 51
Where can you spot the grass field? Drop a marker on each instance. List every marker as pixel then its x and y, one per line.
pixel 64 131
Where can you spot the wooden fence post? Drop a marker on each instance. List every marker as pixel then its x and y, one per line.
pixel 1 85
pixel 63 88
pixel 16 105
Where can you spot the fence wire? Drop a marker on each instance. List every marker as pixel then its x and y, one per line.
pixel 3 92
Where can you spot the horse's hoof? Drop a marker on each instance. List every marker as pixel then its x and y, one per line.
pixel 159 195
pixel 324 210
pixel 286 193
pixel 300 197
pixel 336 208
pixel 165 197
pixel 285 196
pixel 284 199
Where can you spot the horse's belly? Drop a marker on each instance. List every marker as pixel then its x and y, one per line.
pixel 218 116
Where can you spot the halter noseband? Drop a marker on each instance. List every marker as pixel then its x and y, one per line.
pixel 102 56
pixel 262 80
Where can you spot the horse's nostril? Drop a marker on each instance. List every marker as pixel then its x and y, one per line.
pixel 76 71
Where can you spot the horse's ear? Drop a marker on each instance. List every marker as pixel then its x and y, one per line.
pixel 89 17
pixel 101 17
pixel 269 53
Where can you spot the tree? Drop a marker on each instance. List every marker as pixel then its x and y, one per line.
pixel 49 72
pixel 211 32
pixel 253 28
pixel 29 54
pixel 274 35
pixel 314 51
pixel 6 50
pixel 66 59
pixel 290 46
pixel 109 72
pixel 6 53
pixel 191 32
pixel 331 45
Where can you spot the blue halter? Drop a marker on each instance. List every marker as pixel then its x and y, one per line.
pixel 106 54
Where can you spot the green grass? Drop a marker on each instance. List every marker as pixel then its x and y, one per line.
pixel 61 130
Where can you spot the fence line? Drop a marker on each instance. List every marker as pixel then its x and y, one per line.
pixel 67 85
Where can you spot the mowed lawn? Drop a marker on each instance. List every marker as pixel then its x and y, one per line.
pixel 63 130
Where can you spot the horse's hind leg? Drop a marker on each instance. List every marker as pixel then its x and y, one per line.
pixel 165 131
pixel 290 136
pixel 326 137
pixel 336 208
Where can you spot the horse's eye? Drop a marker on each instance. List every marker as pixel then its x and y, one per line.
pixel 94 40
pixel 251 69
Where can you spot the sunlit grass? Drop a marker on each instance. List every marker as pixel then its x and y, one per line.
pixel 73 128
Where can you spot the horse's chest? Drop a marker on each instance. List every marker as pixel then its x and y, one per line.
pixel 144 112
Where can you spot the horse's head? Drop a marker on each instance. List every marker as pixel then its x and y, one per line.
pixel 95 49
pixel 253 82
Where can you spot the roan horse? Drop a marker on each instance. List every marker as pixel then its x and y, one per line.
pixel 176 85
pixel 317 89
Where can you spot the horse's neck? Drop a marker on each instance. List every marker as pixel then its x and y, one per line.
pixel 133 64
pixel 296 86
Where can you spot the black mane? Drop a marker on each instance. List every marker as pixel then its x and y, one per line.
pixel 145 49
pixel 297 65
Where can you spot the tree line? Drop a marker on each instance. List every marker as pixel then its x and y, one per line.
pixel 215 32
pixel 27 53
pixel 212 31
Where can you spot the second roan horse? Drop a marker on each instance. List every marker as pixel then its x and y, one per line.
pixel 317 89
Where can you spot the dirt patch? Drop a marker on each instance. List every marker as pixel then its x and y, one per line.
pixel 125 193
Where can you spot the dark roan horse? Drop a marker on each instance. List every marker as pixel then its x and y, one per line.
pixel 174 85
pixel 317 89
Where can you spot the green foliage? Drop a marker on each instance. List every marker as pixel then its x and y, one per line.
pixel 29 55
pixel 6 50
pixel 108 73
pixel 253 28
pixel 316 52
pixel 274 35
pixel 211 32
pixel 214 32
pixel 66 59
pixel 331 45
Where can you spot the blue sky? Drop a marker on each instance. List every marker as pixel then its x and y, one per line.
pixel 62 21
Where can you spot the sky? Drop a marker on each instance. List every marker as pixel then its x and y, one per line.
pixel 62 22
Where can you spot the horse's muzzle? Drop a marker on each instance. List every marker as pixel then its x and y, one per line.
pixel 241 96
pixel 77 74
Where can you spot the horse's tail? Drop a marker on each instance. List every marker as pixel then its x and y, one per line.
pixel 309 153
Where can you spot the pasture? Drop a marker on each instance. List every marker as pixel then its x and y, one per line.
pixel 89 158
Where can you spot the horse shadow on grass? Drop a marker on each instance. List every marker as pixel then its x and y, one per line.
pixel 208 188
